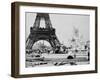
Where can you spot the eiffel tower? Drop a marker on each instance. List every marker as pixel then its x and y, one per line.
pixel 38 33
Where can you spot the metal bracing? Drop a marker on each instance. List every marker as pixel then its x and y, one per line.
pixel 38 33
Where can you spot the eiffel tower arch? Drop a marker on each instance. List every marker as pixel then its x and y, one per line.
pixel 47 33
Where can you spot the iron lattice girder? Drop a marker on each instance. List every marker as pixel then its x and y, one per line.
pixel 38 33
pixel 41 16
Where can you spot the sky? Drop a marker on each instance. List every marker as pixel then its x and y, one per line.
pixel 64 25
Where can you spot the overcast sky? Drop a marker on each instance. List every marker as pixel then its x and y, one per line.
pixel 64 25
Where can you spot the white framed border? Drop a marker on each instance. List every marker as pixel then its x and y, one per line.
pixel 53 69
